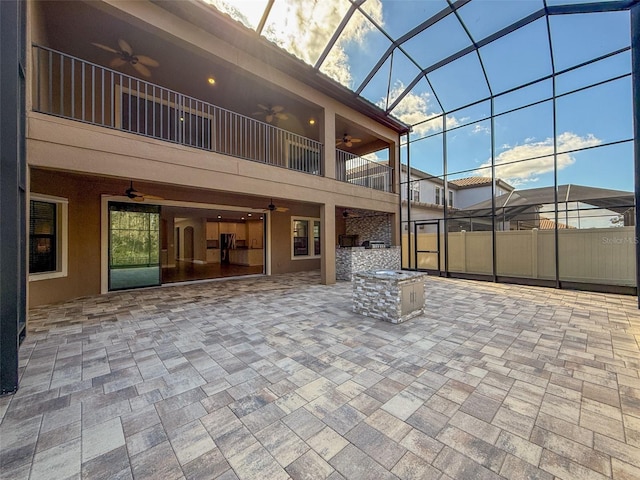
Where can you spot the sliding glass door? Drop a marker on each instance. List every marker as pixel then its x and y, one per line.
pixel 134 245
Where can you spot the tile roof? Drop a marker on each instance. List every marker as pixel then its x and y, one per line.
pixel 468 181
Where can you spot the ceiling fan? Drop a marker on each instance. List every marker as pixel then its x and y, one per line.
pixel 138 196
pixel 272 208
pixel 271 112
pixel 125 55
pixel 347 140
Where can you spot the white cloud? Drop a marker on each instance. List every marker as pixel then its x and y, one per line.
pixel 415 109
pixel 521 173
pixel 480 129
pixel 304 28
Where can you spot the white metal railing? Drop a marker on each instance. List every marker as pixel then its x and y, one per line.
pixel 357 170
pixel 68 87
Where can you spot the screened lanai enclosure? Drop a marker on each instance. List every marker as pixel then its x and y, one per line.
pixel 536 94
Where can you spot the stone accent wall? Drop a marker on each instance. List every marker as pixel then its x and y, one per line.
pixel 360 259
pixel 380 295
pixel 370 228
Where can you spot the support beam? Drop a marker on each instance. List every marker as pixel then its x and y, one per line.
pixel 328 243
pixel 12 192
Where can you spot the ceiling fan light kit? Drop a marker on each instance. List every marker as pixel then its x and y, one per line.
pixel 347 140
pixel 125 56
pixel 271 112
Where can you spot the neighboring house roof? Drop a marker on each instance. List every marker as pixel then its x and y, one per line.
pixel 460 183
pixel 548 224
pixel 472 182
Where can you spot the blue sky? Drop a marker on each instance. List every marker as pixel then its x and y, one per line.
pixel 590 118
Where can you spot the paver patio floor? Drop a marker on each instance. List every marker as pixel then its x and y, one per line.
pixel 274 377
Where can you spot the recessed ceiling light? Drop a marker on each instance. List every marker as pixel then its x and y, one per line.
pixel 241 218
pixel 312 121
pixel 260 218
pixel 219 216
pixel 248 214
pixel 211 80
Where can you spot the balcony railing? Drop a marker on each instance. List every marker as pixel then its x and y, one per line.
pixel 357 170
pixel 68 87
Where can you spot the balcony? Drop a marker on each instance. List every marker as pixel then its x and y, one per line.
pixel 75 89
pixel 358 170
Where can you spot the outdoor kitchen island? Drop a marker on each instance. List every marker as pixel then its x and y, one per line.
pixel 350 260
pixel 391 295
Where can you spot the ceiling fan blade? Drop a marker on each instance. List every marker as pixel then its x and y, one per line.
pixel 138 199
pixel 148 61
pixel 277 108
pixel 125 47
pixel 338 141
pixel 117 62
pixel 142 70
pixel 282 116
pixel 282 209
pixel 269 118
pixel 348 144
pixel 258 113
pixel 263 107
pixel 356 140
pixel 104 47
pixel 152 197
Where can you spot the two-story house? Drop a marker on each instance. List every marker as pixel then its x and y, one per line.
pixel 164 138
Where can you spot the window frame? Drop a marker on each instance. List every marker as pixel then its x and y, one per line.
pixel 437 196
pixel 61 236
pixel 311 238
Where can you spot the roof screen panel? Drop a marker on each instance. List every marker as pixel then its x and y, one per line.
pixel 356 52
pixel 437 42
pixel 403 72
pixel 574 41
pixel 460 82
pixel 377 88
pixel 304 28
pixel 419 107
pixel 486 17
pixel 400 17
pixel 518 58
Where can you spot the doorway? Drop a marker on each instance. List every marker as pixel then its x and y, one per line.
pixel 427 246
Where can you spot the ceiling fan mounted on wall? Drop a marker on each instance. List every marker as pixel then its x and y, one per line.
pixel 271 112
pixel 126 56
pixel 138 196
pixel 347 140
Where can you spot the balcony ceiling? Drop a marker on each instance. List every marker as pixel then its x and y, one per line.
pixel 72 27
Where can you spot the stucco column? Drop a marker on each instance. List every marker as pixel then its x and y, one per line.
pixel 328 242
pixel 329 141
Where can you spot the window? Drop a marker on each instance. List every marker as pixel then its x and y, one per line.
pixel 438 196
pixel 47 237
pixel 305 233
pixel 415 191
pixel 450 199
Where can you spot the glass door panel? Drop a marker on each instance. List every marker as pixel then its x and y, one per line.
pixel 134 246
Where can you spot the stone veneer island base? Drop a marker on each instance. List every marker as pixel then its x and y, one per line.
pixel 359 259
pixel 391 295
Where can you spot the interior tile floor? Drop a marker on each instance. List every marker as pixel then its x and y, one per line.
pixel 274 377
pixel 188 271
